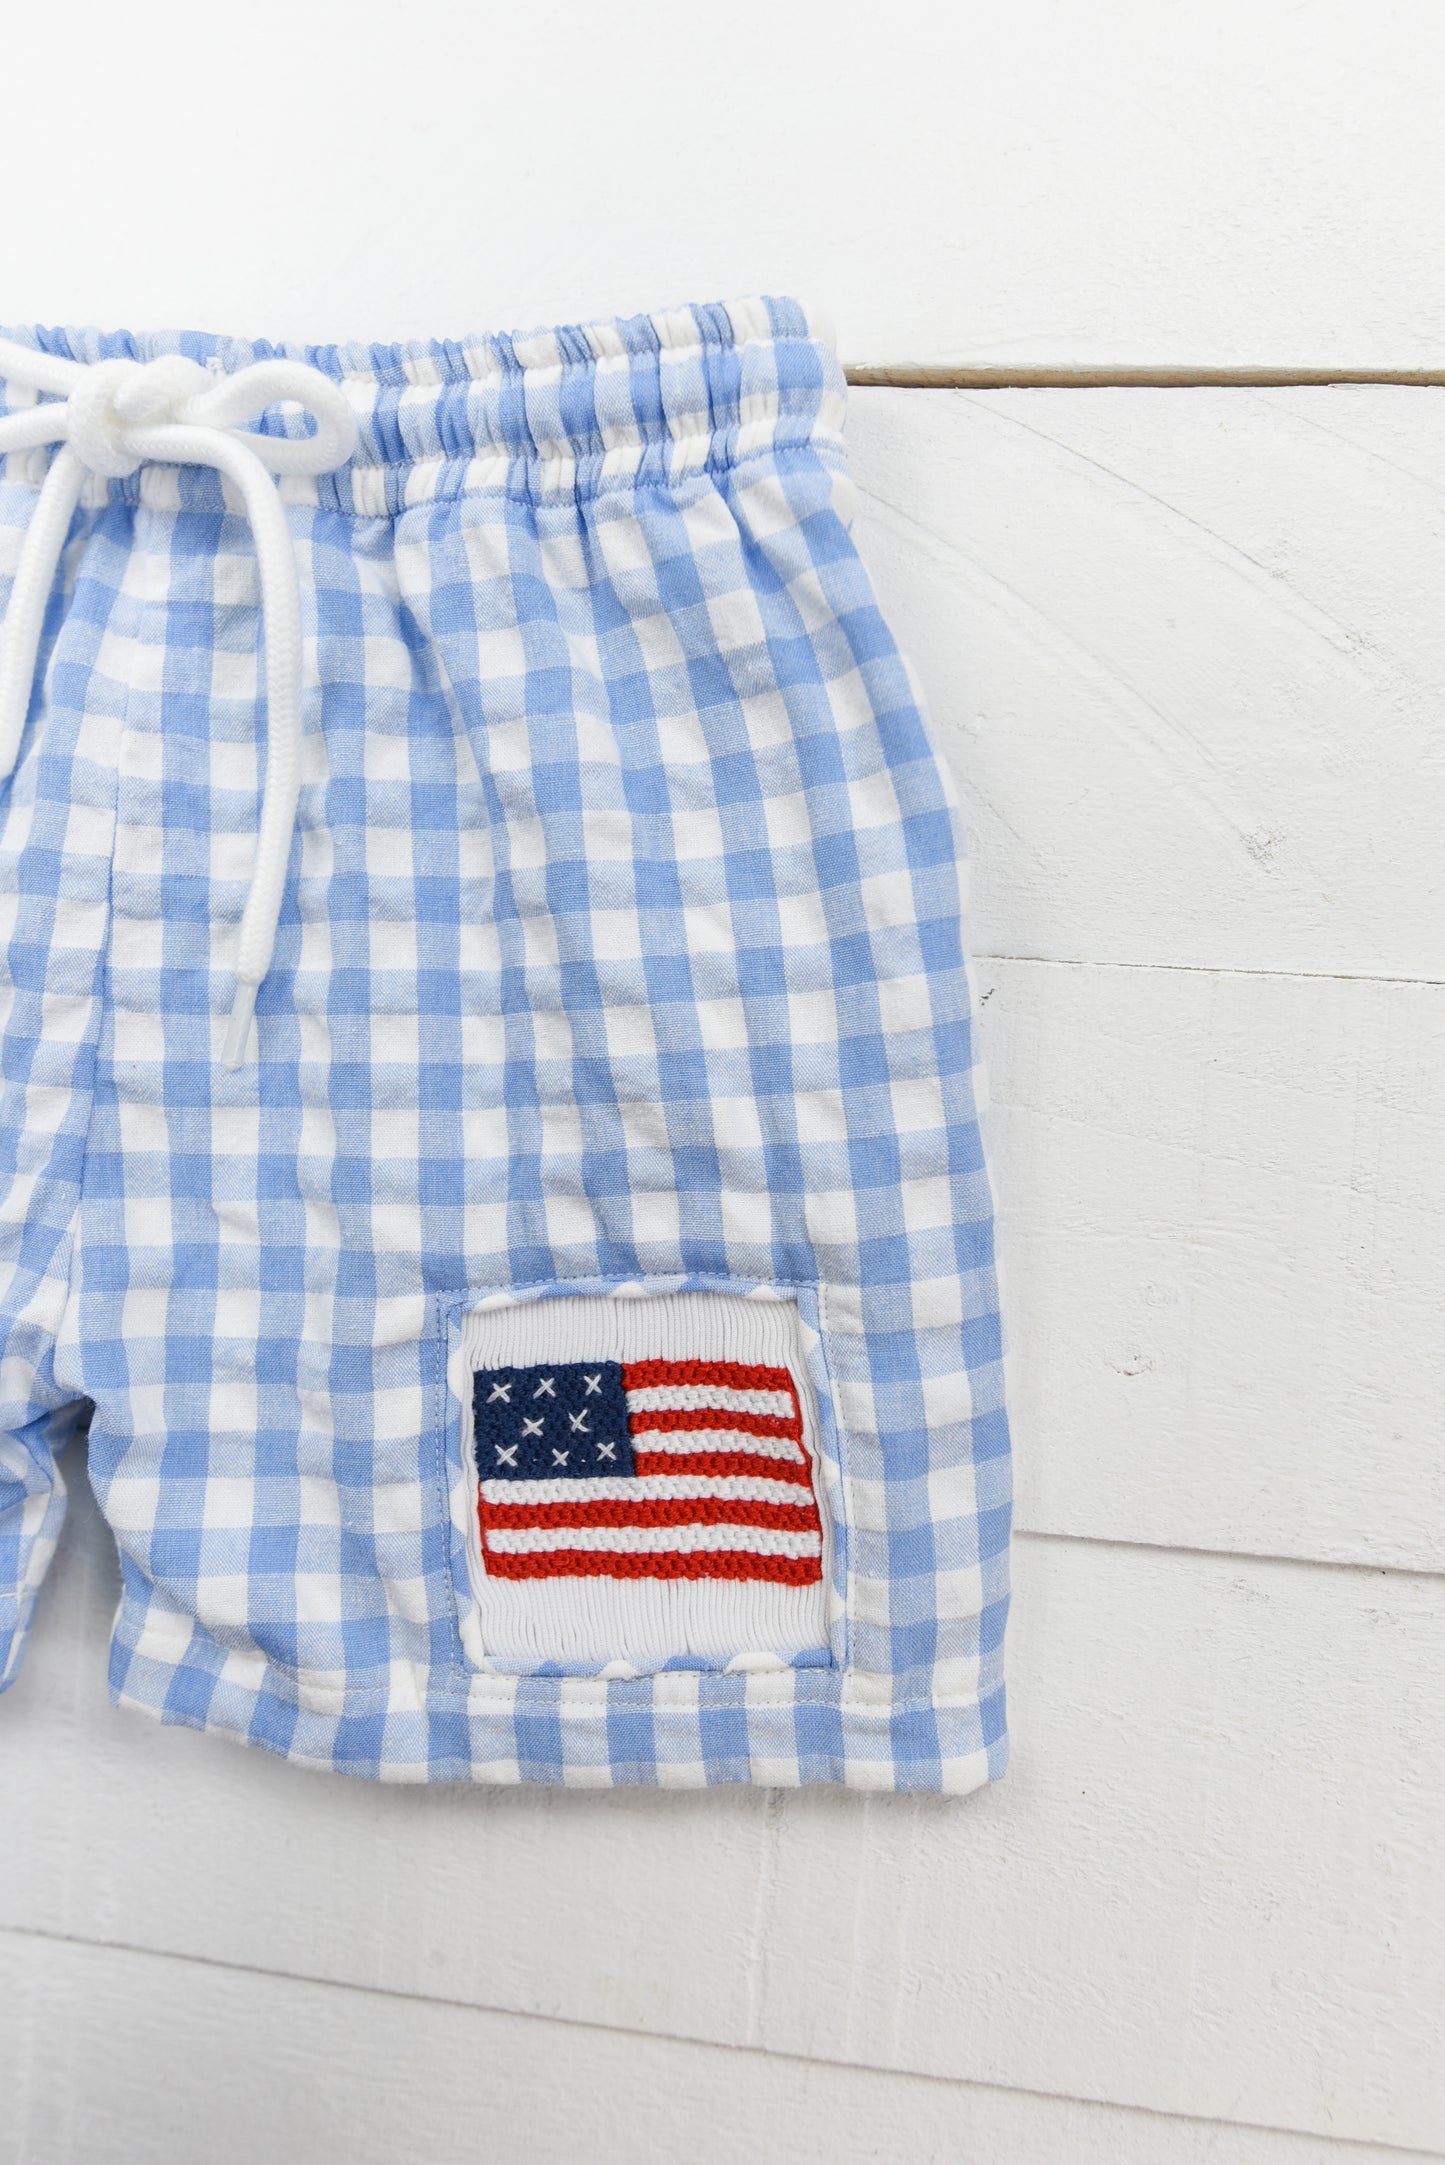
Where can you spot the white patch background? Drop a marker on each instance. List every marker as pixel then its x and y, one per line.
pixel 622 1626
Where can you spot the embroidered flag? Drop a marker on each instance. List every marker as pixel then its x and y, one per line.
pixel 644 1469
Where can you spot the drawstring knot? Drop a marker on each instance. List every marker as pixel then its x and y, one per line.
pixel 114 398
pixel 113 417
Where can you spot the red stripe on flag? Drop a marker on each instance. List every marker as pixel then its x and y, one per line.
pixel 746 1424
pixel 720 1462
pixel 722 1375
pixel 703 1564
pixel 801 1518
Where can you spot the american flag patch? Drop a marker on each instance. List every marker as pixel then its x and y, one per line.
pixel 644 1470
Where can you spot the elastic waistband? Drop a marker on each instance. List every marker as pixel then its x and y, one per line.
pixel 636 401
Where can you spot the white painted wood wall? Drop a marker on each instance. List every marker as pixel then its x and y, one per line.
pixel 1187 651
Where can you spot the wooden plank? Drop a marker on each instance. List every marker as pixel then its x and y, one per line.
pixel 1252 183
pixel 1185 651
pixel 1213 1885
pixel 114 2058
pixel 1222 1216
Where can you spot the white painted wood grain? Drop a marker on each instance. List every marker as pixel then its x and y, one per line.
pixel 1255 181
pixel 114 2058
pixel 1222 1215
pixel 1213 1884
pixel 1186 653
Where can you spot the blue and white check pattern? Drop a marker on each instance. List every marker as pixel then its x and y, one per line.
pixel 621 947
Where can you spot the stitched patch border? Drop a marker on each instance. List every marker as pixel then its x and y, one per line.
pixel 579 1624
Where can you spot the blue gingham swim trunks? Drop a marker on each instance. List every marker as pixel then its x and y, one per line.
pixel 556 1339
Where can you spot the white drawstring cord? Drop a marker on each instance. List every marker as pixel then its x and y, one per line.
pixel 113 417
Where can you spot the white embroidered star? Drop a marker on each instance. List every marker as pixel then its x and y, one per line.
pixel 607 1450
pixel 559 1458
pixel 502 1391
pixel 544 1388
pixel 593 1383
pixel 532 1428
pixel 579 1423
pixel 506 1454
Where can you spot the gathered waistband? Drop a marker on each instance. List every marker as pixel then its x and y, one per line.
pixel 632 402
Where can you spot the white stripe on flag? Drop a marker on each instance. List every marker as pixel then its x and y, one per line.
pixel 692 1442
pixel 690 1397
pixel 650 1488
pixel 634 1540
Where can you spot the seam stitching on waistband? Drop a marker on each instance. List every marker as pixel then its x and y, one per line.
pixel 827 444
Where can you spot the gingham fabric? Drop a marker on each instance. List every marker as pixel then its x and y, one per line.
pixel 620 955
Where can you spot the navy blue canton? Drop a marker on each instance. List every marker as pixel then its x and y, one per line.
pixel 566 1421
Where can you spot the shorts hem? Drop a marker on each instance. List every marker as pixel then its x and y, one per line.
pixel 807 1731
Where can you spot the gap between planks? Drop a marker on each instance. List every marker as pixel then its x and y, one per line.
pixel 1425 1572
pixel 1208 969
pixel 904 376
pixel 683 2038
